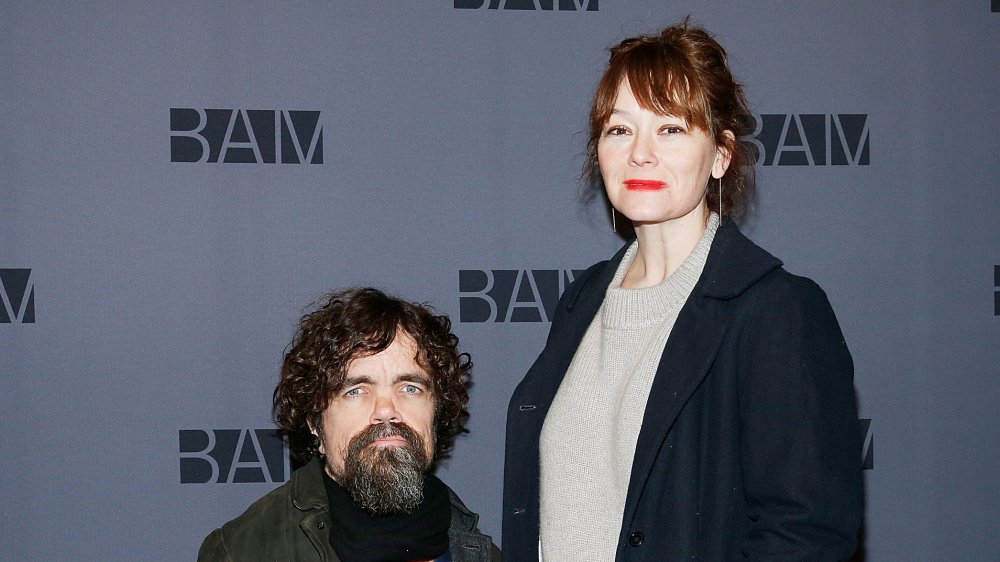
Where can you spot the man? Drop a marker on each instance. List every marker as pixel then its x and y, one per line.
pixel 371 396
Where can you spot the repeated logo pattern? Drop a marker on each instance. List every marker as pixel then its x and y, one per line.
pixel 996 291
pixel 511 295
pixel 228 456
pixel 811 139
pixel 245 136
pixel 550 5
pixel 868 444
pixel 17 291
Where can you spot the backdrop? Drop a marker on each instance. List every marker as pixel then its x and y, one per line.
pixel 178 180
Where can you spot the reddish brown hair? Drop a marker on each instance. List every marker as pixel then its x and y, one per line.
pixel 356 323
pixel 684 72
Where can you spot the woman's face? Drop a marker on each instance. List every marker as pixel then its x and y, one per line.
pixel 655 167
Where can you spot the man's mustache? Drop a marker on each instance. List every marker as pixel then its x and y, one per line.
pixel 373 433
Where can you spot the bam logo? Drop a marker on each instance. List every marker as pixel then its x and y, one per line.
pixel 996 292
pixel 245 136
pixel 511 295
pixel 552 5
pixel 18 293
pixel 811 139
pixel 868 447
pixel 232 456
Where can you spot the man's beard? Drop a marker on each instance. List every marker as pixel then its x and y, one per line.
pixel 385 480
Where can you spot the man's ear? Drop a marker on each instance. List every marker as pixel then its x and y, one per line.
pixel 316 435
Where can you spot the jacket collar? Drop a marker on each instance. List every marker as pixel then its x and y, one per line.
pixel 461 518
pixel 308 492
pixel 734 264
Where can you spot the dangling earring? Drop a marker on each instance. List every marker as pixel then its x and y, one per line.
pixel 720 198
pixel 614 226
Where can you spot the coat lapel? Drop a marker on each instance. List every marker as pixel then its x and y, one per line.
pixel 579 311
pixel 687 357
pixel 734 264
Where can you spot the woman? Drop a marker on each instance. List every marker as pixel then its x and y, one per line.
pixel 694 401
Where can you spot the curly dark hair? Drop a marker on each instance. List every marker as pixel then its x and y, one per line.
pixel 681 71
pixel 356 323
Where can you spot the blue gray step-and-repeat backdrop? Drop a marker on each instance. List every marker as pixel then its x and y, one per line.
pixel 178 180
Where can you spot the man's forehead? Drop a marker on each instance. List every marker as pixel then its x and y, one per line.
pixel 399 360
pixel 402 348
pixel 404 376
pixel 401 340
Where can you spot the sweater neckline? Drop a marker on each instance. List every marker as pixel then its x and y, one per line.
pixel 636 308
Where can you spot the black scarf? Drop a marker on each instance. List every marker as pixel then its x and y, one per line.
pixel 358 536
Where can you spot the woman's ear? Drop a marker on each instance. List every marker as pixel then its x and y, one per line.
pixel 723 154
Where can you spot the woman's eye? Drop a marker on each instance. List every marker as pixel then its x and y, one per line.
pixel 672 129
pixel 616 130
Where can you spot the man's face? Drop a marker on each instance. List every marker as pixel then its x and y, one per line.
pixel 389 387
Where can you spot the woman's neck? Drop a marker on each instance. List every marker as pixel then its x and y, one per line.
pixel 663 247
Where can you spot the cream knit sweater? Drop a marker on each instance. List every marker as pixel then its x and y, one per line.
pixel 589 436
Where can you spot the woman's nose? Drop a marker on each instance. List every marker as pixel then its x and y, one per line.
pixel 642 152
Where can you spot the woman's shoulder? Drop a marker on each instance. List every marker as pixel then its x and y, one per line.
pixel 594 278
pixel 742 268
pixel 790 292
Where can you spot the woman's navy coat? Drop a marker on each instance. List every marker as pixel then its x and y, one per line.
pixel 749 447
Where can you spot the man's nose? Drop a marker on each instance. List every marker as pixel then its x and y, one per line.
pixel 384 410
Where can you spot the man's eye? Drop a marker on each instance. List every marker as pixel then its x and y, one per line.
pixel 412 389
pixel 353 392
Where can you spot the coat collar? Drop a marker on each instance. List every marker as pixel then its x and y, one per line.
pixel 734 263
pixel 308 492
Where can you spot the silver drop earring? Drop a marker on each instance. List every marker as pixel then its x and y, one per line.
pixel 614 226
pixel 720 198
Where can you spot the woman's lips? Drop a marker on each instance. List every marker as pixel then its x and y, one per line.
pixel 644 185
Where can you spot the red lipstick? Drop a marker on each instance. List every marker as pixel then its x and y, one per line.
pixel 644 185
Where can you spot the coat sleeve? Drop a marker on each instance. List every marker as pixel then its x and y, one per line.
pixel 800 443
pixel 213 549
